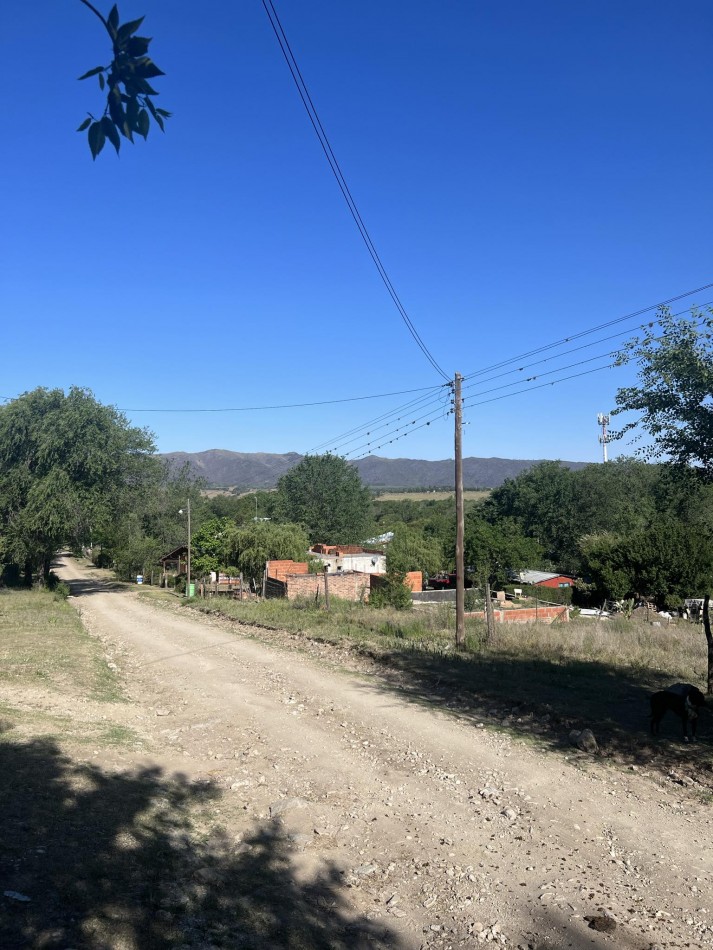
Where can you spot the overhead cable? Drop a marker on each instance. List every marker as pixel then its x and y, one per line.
pixel 341 181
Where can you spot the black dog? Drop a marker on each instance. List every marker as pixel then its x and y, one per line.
pixel 681 698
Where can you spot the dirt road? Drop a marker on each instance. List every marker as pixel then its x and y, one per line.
pixel 436 833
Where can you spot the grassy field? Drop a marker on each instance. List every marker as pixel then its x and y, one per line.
pixel 470 494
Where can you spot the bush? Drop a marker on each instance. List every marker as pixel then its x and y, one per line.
pixel 61 591
pixel 391 592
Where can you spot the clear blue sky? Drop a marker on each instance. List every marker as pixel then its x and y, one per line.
pixel 526 170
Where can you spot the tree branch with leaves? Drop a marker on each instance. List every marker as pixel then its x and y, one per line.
pixel 129 103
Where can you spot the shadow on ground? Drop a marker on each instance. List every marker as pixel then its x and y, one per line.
pixel 109 860
pixel 547 699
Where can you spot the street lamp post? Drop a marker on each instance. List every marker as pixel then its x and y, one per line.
pixel 188 558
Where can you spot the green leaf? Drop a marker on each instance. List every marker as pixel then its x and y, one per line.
pixel 126 29
pixel 111 133
pixel 96 138
pixel 93 72
pixel 102 81
pixel 144 88
pixel 143 124
pixel 138 45
pixel 147 69
pixel 155 113
pixel 116 107
pixel 85 124
pixel 113 18
pixel 164 113
pixel 132 114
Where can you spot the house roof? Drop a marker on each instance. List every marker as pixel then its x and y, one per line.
pixel 175 554
pixel 537 577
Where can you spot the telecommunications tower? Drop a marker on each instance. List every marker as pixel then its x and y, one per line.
pixel 603 421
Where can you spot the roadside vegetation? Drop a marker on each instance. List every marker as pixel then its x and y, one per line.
pixel 590 673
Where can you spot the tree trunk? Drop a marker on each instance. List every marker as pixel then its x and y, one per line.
pixel 28 573
pixel 709 638
pixel 46 568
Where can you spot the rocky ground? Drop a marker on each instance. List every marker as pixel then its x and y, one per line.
pixel 339 810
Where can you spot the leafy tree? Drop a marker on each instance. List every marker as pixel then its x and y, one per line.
pixel 245 507
pixel 69 467
pixel 542 501
pixel 129 103
pixel 410 551
pixel 491 552
pixel 666 562
pixel 326 495
pixel 248 547
pixel 674 395
pixel 209 545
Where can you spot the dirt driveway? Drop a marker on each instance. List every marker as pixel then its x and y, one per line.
pixel 431 831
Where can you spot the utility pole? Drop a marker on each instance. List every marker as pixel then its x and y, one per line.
pixel 188 558
pixel 603 421
pixel 460 579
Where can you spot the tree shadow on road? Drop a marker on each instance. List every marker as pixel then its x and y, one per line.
pixel 111 860
pixel 545 699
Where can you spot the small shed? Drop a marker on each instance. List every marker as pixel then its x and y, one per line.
pixel 174 563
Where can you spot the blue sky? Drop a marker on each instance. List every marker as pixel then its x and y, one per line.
pixel 526 171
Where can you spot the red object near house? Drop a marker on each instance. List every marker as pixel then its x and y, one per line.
pixel 559 580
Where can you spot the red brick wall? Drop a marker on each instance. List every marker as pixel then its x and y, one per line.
pixel 280 569
pixel 349 586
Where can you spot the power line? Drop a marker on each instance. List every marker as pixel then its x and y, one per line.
pixel 403 431
pixel 583 333
pixel 381 422
pixel 293 405
pixel 553 382
pixel 341 181
pixel 385 440
pixel 576 349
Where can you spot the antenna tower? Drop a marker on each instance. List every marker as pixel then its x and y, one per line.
pixel 603 421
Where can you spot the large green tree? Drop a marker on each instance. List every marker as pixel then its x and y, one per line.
pixel 673 397
pixel 326 495
pixel 409 550
pixel 69 468
pixel 492 552
pixel 248 547
pixel 665 562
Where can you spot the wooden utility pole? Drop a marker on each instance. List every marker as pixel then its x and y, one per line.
pixel 326 587
pixel 188 559
pixel 460 579
pixel 709 641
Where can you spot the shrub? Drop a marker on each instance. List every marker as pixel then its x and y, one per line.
pixel 391 592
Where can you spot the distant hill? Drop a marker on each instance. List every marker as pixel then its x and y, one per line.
pixel 221 468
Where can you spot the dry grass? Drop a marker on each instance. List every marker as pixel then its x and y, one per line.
pixel 678 650
pixel 43 643
pixel 632 645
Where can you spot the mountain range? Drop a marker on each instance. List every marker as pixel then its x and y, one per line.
pixel 221 468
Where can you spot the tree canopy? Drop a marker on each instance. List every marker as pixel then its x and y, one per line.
pixel 326 495
pixel 248 547
pixel 410 551
pixel 674 396
pixel 69 467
